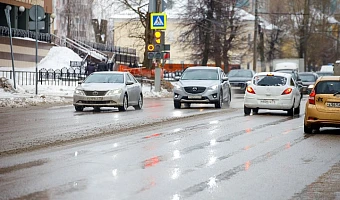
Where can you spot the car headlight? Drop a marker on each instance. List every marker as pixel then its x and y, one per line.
pixel 214 87
pixel 178 87
pixel 114 92
pixel 310 86
pixel 79 92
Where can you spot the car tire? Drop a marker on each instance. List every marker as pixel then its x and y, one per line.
pixel 247 110
pixel 290 112
pixel 79 108
pixel 307 129
pixel 297 110
pixel 125 104
pixel 96 109
pixel 255 111
pixel 139 103
pixel 177 104
pixel 220 101
pixel 227 103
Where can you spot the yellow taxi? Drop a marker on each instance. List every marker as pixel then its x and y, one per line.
pixel 323 105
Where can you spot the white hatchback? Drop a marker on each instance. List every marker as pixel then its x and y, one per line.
pixel 273 91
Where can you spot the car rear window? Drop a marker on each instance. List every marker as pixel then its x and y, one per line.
pixel 269 80
pixel 307 78
pixel 327 87
pixel 240 73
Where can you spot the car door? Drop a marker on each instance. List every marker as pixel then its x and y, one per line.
pixel 296 92
pixel 225 86
pixel 133 89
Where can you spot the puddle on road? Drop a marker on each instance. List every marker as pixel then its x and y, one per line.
pixel 23 166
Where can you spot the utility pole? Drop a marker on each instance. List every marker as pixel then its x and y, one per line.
pixel 255 36
pixel 305 31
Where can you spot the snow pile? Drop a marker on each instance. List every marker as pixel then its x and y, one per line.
pixel 58 58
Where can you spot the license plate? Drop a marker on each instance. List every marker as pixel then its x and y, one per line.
pixel 94 98
pixel 194 97
pixel 333 105
pixel 269 101
pixel 235 87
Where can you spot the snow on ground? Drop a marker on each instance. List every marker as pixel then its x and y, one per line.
pixel 49 94
pixel 57 58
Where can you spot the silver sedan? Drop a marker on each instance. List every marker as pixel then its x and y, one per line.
pixel 108 89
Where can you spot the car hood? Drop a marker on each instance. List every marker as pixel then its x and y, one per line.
pixel 241 79
pixel 199 83
pixel 99 86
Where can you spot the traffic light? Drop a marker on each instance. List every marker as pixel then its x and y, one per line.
pixel 158 40
pixel 151 47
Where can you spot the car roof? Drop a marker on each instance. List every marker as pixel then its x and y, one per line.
pixel 274 73
pixel 202 67
pixel 109 72
pixel 329 78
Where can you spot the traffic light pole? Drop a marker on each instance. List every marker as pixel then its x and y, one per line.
pixel 158 61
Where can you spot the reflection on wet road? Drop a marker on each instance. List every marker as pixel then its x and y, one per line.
pixel 221 155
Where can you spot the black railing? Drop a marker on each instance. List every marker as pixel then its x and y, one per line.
pixel 4 31
pixel 64 76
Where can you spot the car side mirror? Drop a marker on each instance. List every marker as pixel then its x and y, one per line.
pixel 80 82
pixel 129 82
pixel 177 78
pixel 225 78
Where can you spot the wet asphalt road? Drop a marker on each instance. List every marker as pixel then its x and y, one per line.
pixel 162 153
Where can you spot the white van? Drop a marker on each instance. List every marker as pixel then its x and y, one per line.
pixel 327 68
pixel 286 66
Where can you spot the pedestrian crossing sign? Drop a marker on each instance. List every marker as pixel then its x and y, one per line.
pixel 158 21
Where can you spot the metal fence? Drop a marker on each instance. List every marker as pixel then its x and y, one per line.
pixel 60 77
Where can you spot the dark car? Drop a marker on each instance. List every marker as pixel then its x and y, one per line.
pixel 238 78
pixel 323 73
pixel 307 79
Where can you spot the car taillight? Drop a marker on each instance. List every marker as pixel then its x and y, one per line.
pixel 311 98
pixel 250 90
pixel 287 91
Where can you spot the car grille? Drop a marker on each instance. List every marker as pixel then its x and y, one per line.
pixel 96 102
pixel 194 90
pixel 95 93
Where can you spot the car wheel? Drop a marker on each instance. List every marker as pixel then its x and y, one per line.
pixel 96 108
pixel 125 104
pixel 220 101
pixel 290 112
pixel 140 103
pixel 307 129
pixel 79 108
pixel 177 104
pixel 297 110
pixel 247 110
pixel 255 111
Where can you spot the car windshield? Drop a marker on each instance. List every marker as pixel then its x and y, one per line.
pixel 264 80
pixel 307 78
pixel 105 78
pixel 327 87
pixel 200 74
pixel 240 73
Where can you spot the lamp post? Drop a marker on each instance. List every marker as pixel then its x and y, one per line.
pixel 8 17
pixel 255 37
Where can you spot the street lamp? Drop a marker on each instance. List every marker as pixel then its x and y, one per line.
pixel 8 17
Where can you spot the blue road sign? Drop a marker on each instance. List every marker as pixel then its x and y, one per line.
pixel 158 21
